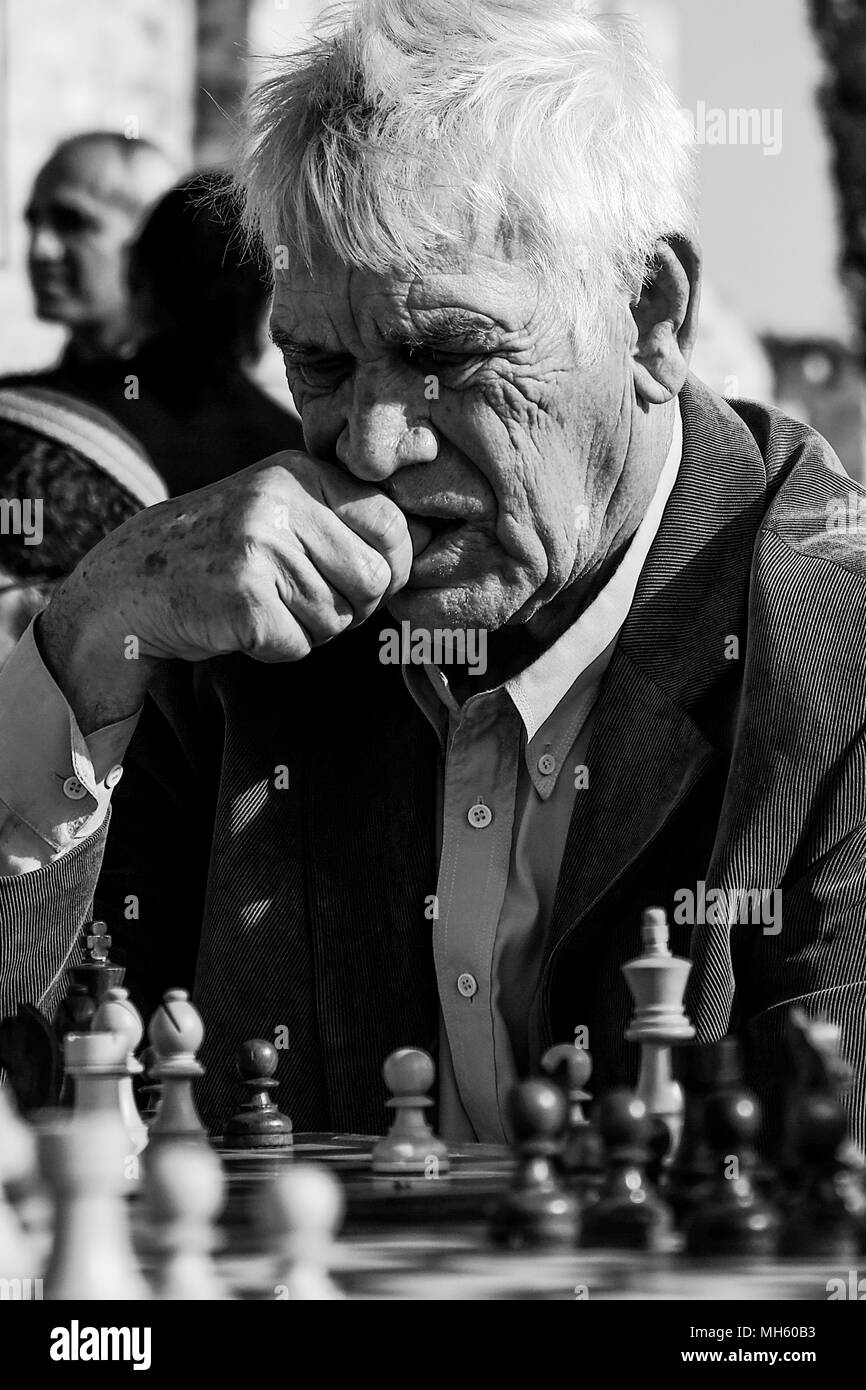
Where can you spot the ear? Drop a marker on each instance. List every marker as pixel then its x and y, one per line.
pixel 666 315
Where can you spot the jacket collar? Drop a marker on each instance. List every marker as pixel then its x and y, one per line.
pixel 667 706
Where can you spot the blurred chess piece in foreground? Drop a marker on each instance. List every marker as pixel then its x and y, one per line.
pixel 303 1209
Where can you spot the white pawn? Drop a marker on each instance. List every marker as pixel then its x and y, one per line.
pixel 185 1190
pixel 410 1146
pixel 17 1163
pixel 84 1164
pixel 304 1210
pixel 117 1014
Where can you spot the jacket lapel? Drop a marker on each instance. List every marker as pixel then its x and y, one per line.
pixel 652 739
pixel 644 757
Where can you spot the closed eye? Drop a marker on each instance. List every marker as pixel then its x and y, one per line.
pixel 426 355
pixel 318 371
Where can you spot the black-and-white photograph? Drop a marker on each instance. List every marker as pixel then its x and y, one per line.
pixel 433 667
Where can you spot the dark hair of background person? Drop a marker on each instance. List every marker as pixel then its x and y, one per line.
pixel 198 275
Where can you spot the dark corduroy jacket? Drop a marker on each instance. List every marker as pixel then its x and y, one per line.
pixel 739 764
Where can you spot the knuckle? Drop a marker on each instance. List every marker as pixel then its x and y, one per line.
pixel 373 575
pixel 334 621
pixel 252 625
pixel 233 573
pixel 386 520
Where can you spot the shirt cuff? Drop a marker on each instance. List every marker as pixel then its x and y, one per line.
pixel 53 780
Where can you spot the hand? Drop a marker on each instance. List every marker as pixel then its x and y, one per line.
pixel 273 561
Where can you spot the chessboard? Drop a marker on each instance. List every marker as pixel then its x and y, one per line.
pixel 605 1198
pixel 427 1239
pixel 477 1177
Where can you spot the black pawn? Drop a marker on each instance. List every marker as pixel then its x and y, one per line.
pixel 733 1218
pixel 581 1160
pixel 258 1124
pixel 629 1214
pixel 537 1210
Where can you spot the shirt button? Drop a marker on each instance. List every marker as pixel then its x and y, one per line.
pixel 74 789
pixel 479 816
pixel 546 764
pixel 113 776
pixel 467 985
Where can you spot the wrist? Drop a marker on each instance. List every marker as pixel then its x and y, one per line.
pixel 96 667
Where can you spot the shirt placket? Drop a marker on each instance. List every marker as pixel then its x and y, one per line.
pixel 478 816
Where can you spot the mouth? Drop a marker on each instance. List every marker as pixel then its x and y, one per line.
pixel 426 529
pixel 439 545
pixel 436 524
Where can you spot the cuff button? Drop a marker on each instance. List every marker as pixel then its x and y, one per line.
pixel 74 789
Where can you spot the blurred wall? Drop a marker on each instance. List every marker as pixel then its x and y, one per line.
pixel 278 26
pixel 768 221
pixel 108 64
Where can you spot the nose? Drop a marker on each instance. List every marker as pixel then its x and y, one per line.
pixel 381 433
pixel 45 244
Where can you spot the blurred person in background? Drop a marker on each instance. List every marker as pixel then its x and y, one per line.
pixel 729 357
pixel 68 476
pixel 187 394
pixel 86 207
pixel 194 278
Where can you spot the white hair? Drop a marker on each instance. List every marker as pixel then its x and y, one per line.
pixel 407 122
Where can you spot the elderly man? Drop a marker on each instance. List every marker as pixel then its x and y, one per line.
pixel 487 320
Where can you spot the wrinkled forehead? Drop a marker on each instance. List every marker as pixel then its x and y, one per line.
pixel 485 277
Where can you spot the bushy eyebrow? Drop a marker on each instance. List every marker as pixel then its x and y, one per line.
pixel 292 347
pixel 448 326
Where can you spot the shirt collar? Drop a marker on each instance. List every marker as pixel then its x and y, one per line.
pixel 575 664
pixel 538 689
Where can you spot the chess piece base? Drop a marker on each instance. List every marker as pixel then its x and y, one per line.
pixel 530 1218
pixel 616 1224
pixel 257 1132
pixel 404 1155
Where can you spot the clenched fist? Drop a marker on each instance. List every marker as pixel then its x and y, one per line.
pixel 272 561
